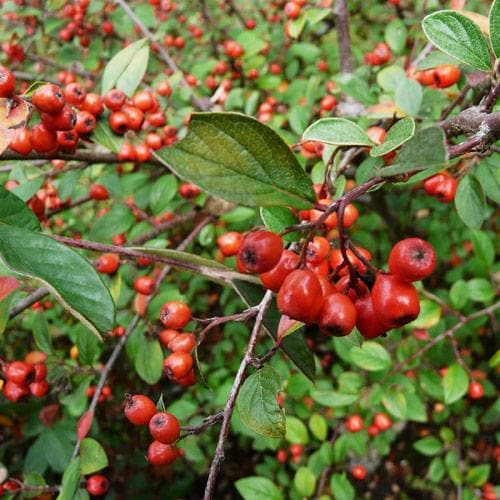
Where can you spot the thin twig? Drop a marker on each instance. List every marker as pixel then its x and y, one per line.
pixel 28 301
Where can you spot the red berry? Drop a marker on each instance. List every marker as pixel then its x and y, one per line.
pixel 145 285
pixel 367 322
pixel 292 10
pixel 20 372
pixel 107 263
pixel 97 485
pixel 376 134
pixel 163 88
pixel 359 472
pixel 229 243
pixel 301 296
pixel 327 103
pixel 372 430
pixel 139 409
pixel 48 98
pixel 119 122
pixel 21 142
pixel 64 120
pixel 85 122
pixel 93 104
pixel 14 392
pixel 354 423
pixel 161 454
pixel 67 140
pixel 40 372
pixel 143 100
pixel 166 336
pixel 164 427
pixel 135 117
pixel 177 365
pixel 281 456
pixel 260 251
pixel 395 302
pixel 98 192
pixel 445 75
pixel 476 390
pixel 338 315
pixel 274 278
pixel 296 449
pixel 189 191
pixel 317 250
pixel 412 259
pixel 114 99
pixel 185 342
pixel 382 421
pixel 42 139
pixel 39 389
pixel 7 82
pixel 175 314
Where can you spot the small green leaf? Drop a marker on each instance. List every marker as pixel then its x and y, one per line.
pixel 93 456
pixel 149 361
pixel 318 426
pixel 257 404
pixel 15 212
pixel 436 470
pixel 70 480
pixel 415 408
pixel 459 37
pixel 33 479
pixel 239 159
pixel 304 481
pixel 389 78
pixel 459 294
pixel 483 246
pixel 341 488
pixel 332 398
pixel 494 19
pixel 480 290
pixel 395 404
pixel 455 383
pixel 41 333
pixel 296 431
pixel 409 96
pixel 338 132
pixel 27 189
pixel 257 488
pixel 401 132
pixel 162 192
pixel 371 357
pixel 478 475
pixel 428 446
pixel 470 202
pixel 277 219
pixel 118 220
pixel 71 278
pixel 395 35
pixel 430 314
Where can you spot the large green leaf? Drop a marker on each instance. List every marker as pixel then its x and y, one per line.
pixel 71 278
pixel 470 202
pixel 15 212
pixel 338 132
pixel 239 159
pixel 401 132
pixel 257 404
pixel 126 68
pixel 459 37
pixel 494 18
pixel 93 456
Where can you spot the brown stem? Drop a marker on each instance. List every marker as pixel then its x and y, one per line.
pixel 207 422
pixel 341 13
pixel 28 301
pixel 73 204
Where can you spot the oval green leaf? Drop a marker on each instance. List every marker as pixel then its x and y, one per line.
pixel 338 132
pixel 470 202
pixel 371 356
pixel 93 456
pixel 15 212
pixel 494 19
pixel 455 383
pixel 401 132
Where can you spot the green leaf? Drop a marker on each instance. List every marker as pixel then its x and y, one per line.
pixel 431 383
pixel 257 404
pixel 257 488
pixel 395 404
pixel 93 456
pixel 480 290
pixel 428 446
pixel 277 219
pixel 162 192
pixel 338 132
pixel 318 426
pixel 409 96
pixel 430 314
pixel 33 479
pixel 436 470
pixel 149 361
pixel 479 474
pixel 371 357
pixel 401 132
pixel 426 149
pixel 483 246
pixel 459 37
pixel 27 189
pixel 41 333
pixel 69 276
pixel 102 135
pixel 76 401
pixel 389 78
pixel 332 398
pixel 470 202
pixel 15 212
pixel 88 347
pixel 304 481
pixel 70 480
pixel 296 431
pixel 239 159
pixel 126 68
pixel 341 488
pixel 415 408
pixel 494 19
pixel 395 35
pixel 459 294
pixel 118 220
pixel 455 383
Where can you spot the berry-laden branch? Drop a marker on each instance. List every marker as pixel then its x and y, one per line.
pixel 133 323
pixel 235 389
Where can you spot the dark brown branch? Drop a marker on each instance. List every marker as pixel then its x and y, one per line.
pixel 341 13
pixel 28 301
pixel 207 422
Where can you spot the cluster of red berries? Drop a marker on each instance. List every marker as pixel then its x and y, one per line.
pixel 23 378
pixel 441 77
pixel 295 450
pixel 381 54
pixel 104 396
pixel 442 186
pixel 78 25
pixel 163 427
pixel 177 366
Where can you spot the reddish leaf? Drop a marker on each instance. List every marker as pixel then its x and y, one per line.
pixel 7 285
pixel 6 136
pixel 13 112
pixel 140 304
pixel 84 423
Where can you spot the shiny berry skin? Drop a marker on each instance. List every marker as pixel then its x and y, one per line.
pixel 97 485
pixel 175 314
pixel 301 296
pixel 188 380
pixel 331 221
pixel 85 122
pixel 139 409
pixel 166 336
pixel 14 392
pixel 107 263
pixel 161 454
pixel 350 215
pixel 367 322
pixel 42 139
pixel 135 117
pixel 372 430
pixel 296 449
pixel 382 421
pixel 143 100
pixel 164 427
pixel 317 250
pixel 119 122
pixel 127 152
pixel 338 315
pixel 426 77
pixel 64 120
pixel 358 472
pixel 163 88
pixel 39 389
pixel 74 94
pixel 189 191
pixel 184 342
pixel 142 153
pixel 260 251
pixel 327 103
pixel 48 98
pixel 354 423
pixel 40 372
pixel 345 286
pixel 92 104
pixel 445 192
pixel 21 142
pixel 395 302
pixel 98 192
pixel 273 279
pixel 114 99
pixel 7 82
pixel 476 390
pixel 67 140
pixel 281 456
pixel 229 243
pixel 177 365
pixel 446 75
pixel 412 259
pixel 292 10
pixel 326 285
pixel 20 372
pixel 145 285
pixel 154 141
